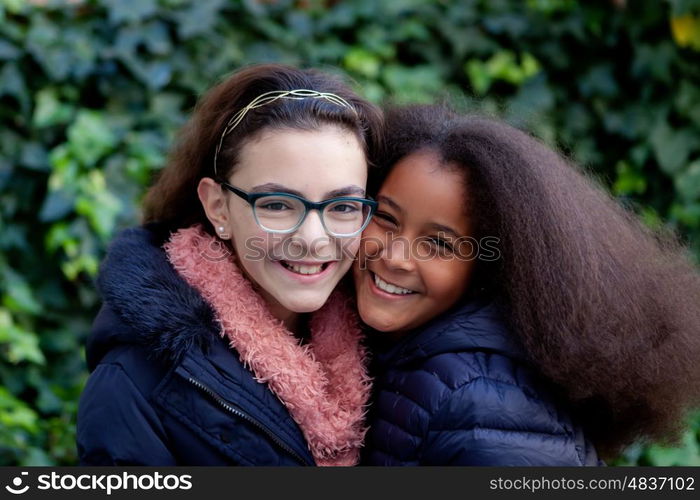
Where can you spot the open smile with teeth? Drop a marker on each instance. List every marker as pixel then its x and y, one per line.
pixel 390 288
pixel 305 269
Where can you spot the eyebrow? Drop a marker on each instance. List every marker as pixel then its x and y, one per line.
pixel 279 188
pixel 390 202
pixel 444 229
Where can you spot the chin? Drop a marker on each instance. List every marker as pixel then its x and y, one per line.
pixel 304 305
pixel 380 322
pixel 382 328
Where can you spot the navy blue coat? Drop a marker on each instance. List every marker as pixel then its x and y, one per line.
pixel 165 388
pixel 460 392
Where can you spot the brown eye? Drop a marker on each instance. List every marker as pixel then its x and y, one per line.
pixel 385 220
pixel 441 243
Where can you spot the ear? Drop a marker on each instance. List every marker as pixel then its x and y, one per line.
pixel 214 202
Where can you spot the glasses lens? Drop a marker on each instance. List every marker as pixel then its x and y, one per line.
pixel 346 217
pixel 278 212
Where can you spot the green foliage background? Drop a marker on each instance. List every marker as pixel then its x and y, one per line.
pixel 91 93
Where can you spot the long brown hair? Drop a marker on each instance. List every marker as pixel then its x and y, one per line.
pixel 606 308
pixel 173 201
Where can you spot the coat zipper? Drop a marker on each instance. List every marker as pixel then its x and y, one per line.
pixel 235 411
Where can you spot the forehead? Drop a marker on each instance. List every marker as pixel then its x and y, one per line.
pixel 310 161
pixel 428 191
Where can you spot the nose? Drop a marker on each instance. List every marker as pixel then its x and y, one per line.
pixel 397 254
pixel 311 233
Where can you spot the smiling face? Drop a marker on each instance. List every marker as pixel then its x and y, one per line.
pixel 294 272
pixel 411 267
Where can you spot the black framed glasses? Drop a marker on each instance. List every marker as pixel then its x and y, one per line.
pixel 341 217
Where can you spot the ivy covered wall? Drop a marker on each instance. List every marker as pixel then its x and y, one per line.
pixel 92 92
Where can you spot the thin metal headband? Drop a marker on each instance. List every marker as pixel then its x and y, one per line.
pixel 272 96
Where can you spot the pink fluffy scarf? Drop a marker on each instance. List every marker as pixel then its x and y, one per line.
pixel 324 384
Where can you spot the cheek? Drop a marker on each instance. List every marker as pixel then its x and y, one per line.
pixel 369 248
pixel 252 244
pixel 243 228
pixel 372 242
pixel 446 281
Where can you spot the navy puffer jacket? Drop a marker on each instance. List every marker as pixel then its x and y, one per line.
pixel 460 392
pixel 165 388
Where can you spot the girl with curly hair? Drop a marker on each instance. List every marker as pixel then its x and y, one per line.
pixel 521 315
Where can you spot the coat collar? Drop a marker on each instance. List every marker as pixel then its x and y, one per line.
pixel 146 302
pixel 474 325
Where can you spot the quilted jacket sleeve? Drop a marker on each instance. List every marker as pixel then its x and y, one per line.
pixel 116 423
pixel 494 422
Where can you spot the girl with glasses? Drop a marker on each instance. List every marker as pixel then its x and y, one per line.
pixel 520 315
pixel 224 335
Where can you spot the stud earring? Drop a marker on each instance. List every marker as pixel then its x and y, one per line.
pixel 222 233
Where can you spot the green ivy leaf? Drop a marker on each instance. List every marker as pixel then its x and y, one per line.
pixel 90 137
pixel 361 61
pixel 35 157
pixel 65 169
pixel 57 237
pixel 25 347
pixel 155 74
pixel 599 81
pixel 199 18
pixel 504 66
pixel 44 43
pixel 417 84
pixel 129 11
pixel 14 413
pixel 531 103
pixel 687 101
pixel 628 181
pixel 99 206
pixel 14 6
pixel 688 183
pixel 22 345
pixel 687 214
pixel 672 147
pixel 36 457
pixel 18 296
pixel 478 76
pixel 57 204
pixel 12 84
pixel 49 110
